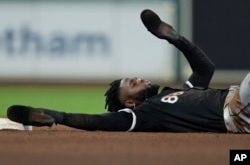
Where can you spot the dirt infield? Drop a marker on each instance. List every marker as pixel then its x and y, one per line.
pixel 64 146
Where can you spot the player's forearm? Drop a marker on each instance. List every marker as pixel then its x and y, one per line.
pixel 197 59
pixel 202 67
pixel 115 121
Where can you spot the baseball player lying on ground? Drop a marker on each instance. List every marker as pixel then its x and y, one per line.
pixel 134 104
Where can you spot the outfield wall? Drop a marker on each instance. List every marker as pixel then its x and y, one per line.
pixel 222 30
pixel 83 41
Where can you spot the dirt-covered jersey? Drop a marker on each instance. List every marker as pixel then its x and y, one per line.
pixel 189 110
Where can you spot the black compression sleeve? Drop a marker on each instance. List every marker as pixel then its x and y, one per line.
pixel 202 66
pixel 114 121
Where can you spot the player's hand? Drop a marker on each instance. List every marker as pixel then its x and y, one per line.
pixel 157 27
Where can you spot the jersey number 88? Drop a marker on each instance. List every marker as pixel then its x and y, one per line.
pixel 171 98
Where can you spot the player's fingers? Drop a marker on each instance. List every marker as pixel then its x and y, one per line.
pixel 150 19
pixel 18 113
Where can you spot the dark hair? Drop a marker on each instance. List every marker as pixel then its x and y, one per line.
pixel 113 103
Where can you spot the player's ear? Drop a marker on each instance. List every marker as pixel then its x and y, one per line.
pixel 129 103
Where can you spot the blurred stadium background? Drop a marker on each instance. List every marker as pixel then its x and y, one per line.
pixel 62 54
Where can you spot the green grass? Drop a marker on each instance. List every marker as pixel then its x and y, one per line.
pixel 62 98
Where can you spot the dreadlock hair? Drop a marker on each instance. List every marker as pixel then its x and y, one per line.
pixel 112 97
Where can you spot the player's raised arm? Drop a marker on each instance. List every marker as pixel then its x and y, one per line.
pixel 114 121
pixel 201 65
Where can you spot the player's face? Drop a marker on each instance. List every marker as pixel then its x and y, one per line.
pixel 131 86
pixel 135 90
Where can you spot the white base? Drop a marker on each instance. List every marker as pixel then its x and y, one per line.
pixel 8 124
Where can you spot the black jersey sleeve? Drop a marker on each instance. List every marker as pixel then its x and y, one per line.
pixel 113 121
pixel 202 67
